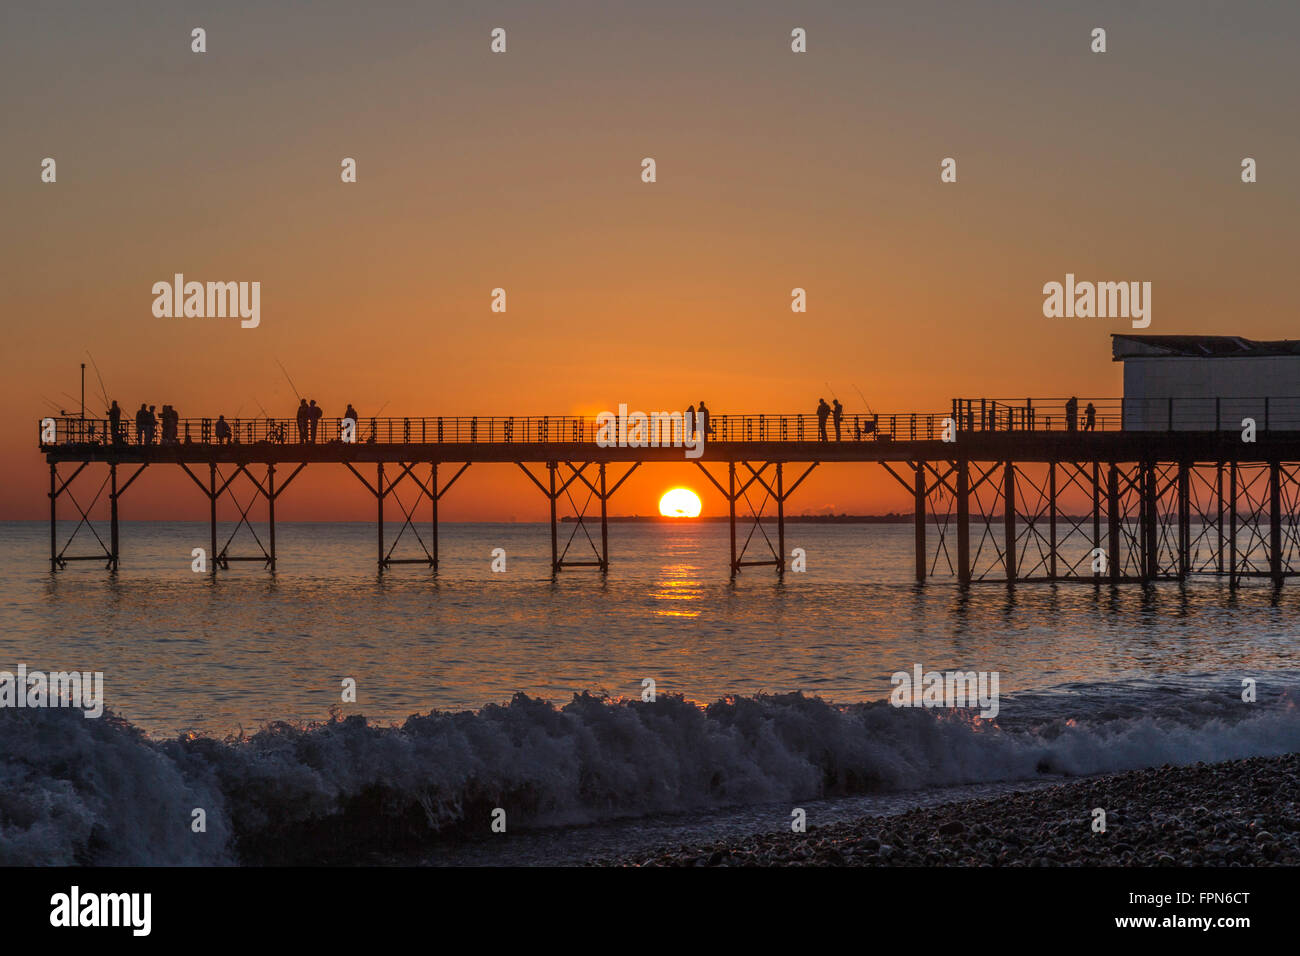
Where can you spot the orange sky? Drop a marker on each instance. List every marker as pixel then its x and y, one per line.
pixel 521 170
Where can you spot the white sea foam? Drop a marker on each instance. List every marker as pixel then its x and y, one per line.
pixel 77 791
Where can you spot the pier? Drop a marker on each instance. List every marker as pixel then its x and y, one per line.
pixel 1183 495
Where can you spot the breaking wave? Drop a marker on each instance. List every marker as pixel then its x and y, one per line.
pixel 79 791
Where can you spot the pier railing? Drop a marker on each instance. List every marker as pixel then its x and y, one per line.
pixel 967 415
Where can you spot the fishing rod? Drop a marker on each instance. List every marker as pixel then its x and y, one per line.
pixel 296 393
pixel 864 400
pixel 103 389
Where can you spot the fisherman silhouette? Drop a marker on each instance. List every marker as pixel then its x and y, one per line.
pixel 150 425
pixel 1090 417
pixel 223 430
pixel 688 422
pixel 168 429
pixel 1072 414
pixel 704 419
pixel 115 422
pixel 304 416
pixel 141 417
pixel 838 414
pixel 351 413
pixel 314 413
pixel 823 413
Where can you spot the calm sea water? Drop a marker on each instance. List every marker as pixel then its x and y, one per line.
pixel 1092 679
pixel 182 651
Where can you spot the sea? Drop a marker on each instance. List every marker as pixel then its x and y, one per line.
pixel 327 713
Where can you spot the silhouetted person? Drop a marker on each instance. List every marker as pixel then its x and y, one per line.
pixel 141 417
pixel 688 422
pixel 704 419
pixel 1090 418
pixel 150 425
pixel 304 418
pixel 351 413
pixel 223 430
pixel 837 413
pixel 314 413
pixel 823 413
pixel 1072 414
pixel 115 422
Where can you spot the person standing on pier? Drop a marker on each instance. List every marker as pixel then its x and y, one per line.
pixel 1072 414
pixel 1090 418
pixel 837 414
pixel 688 422
pixel 141 416
pixel 314 413
pixel 823 413
pixel 304 415
pixel 115 422
pixel 704 420
pixel 223 430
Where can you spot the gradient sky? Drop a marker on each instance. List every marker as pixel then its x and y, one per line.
pixel 522 170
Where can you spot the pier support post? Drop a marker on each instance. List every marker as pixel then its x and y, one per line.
pixel 1051 519
pixel 1009 518
pixel 212 516
pixel 555 532
pixel 963 521
pixel 54 517
pixel 433 522
pixel 1148 512
pixel 604 523
pixel 270 508
pixel 1218 527
pixel 112 515
pixel 780 520
pixel 1275 522
pixel 379 524
pixel 918 528
pixel 1232 524
pixel 731 503
pixel 1096 510
pixel 1184 521
pixel 1112 521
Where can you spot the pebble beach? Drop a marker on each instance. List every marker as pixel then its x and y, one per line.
pixel 1237 813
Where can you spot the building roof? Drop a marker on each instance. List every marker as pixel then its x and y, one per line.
pixel 1197 346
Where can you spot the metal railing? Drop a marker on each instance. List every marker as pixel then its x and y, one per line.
pixel 1209 414
pixel 968 415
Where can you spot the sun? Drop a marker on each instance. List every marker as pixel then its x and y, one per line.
pixel 680 503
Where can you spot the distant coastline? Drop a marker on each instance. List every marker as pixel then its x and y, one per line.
pixel 891 518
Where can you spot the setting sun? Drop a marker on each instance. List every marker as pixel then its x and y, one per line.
pixel 680 503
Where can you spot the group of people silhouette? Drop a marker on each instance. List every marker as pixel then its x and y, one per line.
pixel 148 421
pixel 834 412
pixel 700 417
pixel 309 416
pixel 1072 415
